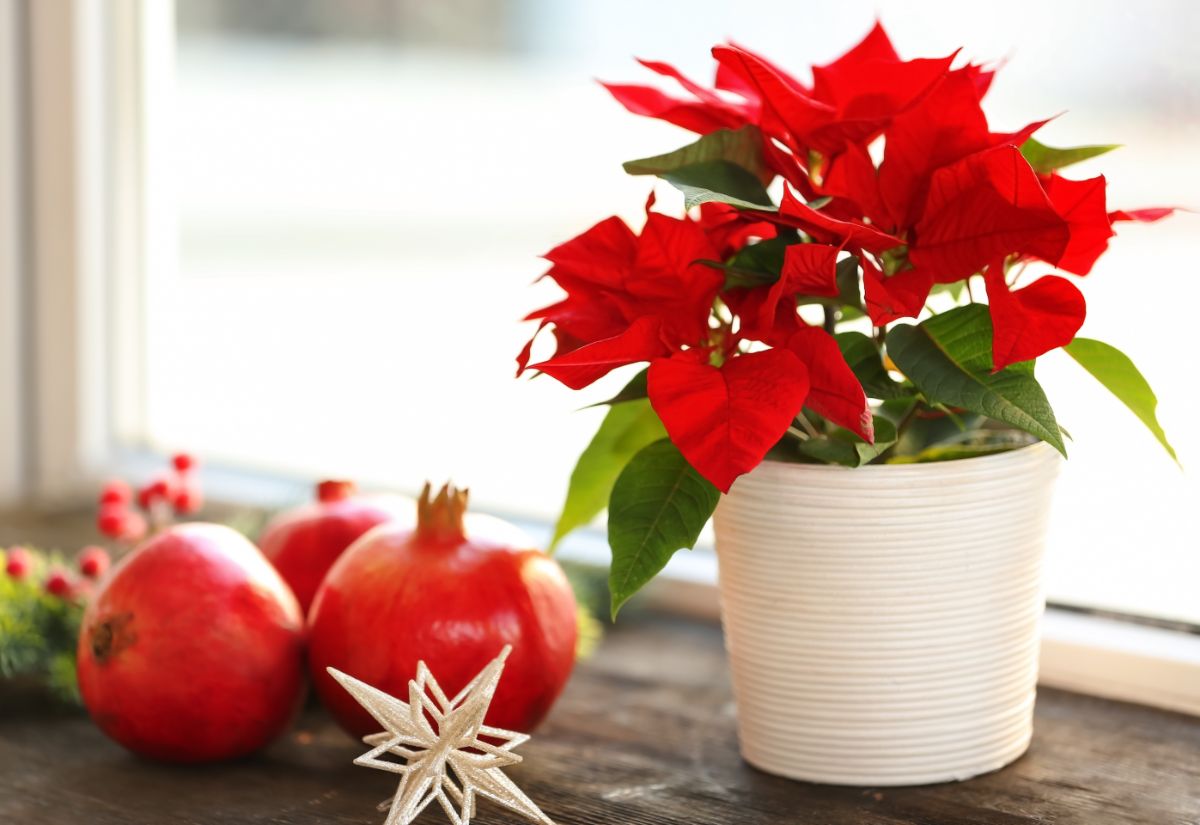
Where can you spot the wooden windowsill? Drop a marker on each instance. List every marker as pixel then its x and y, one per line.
pixel 644 734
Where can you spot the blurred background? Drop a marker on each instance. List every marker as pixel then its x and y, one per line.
pixel 336 210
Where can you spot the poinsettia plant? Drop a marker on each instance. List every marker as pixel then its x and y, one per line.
pixel 821 297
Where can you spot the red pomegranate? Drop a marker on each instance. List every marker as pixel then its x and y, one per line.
pixel 451 591
pixel 192 649
pixel 304 542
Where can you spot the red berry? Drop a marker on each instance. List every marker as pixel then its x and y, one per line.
pixel 93 562
pixel 183 462
pixel 58 584
pixel 135 527
pixel 157 490
pixel 19 563
pixel 187 499
pixel 112 520
pixel 115 492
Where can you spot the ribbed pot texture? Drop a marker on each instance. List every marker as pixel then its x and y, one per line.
pixel 882 622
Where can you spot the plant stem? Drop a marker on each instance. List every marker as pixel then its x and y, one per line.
pixel 808 426
pixel 906 419
pixel 830 318
pixel 901 428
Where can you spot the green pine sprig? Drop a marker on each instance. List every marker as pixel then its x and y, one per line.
pixel 39 632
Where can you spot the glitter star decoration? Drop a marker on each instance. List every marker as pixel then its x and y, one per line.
pixel 442 740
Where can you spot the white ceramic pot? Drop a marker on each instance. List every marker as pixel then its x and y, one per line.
pixel 882 622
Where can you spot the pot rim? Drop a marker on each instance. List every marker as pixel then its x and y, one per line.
pixel 1037 450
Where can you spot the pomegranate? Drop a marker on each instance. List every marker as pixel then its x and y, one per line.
pixel 452 591
pixel 303 543
pixel 192 648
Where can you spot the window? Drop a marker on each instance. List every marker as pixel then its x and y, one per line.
pixel 349 200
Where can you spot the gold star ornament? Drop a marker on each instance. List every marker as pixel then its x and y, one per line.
pixel 450 755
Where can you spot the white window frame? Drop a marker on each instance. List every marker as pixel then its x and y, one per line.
pixel 84 217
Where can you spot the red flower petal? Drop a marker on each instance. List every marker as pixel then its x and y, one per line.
pixel 784 163
pixel 889 298
pixel 835 391
pixel 808 269
pixel 786 109
pixel 691 115
pixel 1020 136
pixel 980 77
pixel 665 265
pixel 1081 203
pixel 1032 320
pixel 527 350
pixel 732 81
pixel 702 94
pixel 852 178
pixel 729 229
pixel 1148 215
pixel 668 281
pixel 982 208
pixel 756 325
pixel 707 113
pixel 587 314
pixel 724 420
pixel 872 91
pixel 580 367
pixel 829 229
pixel 868 86
pixel 601 255
pixel 876 45
pixel 945 126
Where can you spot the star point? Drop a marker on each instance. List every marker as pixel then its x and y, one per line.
pixel 450 755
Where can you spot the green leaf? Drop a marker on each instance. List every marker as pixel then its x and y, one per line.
pixel 952 452
pixel 626 429
pixel 1045 159
pixel 658 505
pixel 864 359
pixel 740 147
pixel 757 264
pixel 725 166
pixel 949 359
pixel 719 181
pixel 1114 370
pixel 955 289
pixel 849 290
pixel 845 448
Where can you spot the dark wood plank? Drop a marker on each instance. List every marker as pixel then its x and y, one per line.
pixel 643 736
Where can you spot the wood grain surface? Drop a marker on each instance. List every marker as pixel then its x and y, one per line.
pixel 644 735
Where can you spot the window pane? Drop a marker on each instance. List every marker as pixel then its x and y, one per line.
pixel 364 187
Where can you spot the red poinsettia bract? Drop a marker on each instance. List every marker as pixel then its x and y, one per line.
pixel 886 161
pixel 648 298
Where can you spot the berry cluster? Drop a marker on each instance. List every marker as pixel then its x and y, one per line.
pixel 174 493
pixel 22 564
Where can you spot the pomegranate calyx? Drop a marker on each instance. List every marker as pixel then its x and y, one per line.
pixel 332 490
pixel 111 636
pixel 441 517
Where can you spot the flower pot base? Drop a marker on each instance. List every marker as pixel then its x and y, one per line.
pixel 870 648
pixel 897 776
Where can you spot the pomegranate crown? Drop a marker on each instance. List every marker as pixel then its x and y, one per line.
pixel 332 490
pixel 442 515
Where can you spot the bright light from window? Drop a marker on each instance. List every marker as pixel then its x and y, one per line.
pixel 363 191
